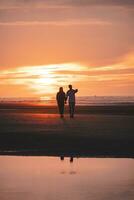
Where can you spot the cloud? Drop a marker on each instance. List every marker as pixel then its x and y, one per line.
pixel 46 79
pixel 100 2
pixel 87 22
pixel 41 78
pixel 49 77
pixel 13 4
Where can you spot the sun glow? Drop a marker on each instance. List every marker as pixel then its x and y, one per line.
pixel 45 79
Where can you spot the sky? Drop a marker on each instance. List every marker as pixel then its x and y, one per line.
pixel 45 44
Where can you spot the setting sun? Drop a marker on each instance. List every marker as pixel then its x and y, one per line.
pixel 44 80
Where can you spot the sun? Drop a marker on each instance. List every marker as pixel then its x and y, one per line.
pixel 45 80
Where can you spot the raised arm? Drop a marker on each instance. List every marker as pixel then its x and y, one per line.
pixel 76 90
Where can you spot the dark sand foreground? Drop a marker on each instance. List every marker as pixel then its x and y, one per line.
pixel 97 131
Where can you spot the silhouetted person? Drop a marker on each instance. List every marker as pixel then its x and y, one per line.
pixel 70 95
pixel 61 98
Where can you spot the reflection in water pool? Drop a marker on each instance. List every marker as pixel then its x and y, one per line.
pixel 52 178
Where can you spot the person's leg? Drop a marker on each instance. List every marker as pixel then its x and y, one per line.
pixel 73 108
pixel 59 106
pixel 62 110
pixel 70 109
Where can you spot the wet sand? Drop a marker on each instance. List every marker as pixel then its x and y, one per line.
pixel 49 178
pixel 96 131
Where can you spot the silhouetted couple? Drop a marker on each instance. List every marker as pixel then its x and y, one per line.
pixel 62 98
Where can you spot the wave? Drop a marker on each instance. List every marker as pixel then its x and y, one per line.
pixel 82 100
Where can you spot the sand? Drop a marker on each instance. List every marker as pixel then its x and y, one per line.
pixel 96 131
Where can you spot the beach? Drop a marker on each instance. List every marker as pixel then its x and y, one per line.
pixel 96 131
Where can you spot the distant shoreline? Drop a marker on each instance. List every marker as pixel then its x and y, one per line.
pixel 81 100
pixel 119 109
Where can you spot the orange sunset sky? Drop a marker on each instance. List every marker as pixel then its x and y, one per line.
pixel 45 44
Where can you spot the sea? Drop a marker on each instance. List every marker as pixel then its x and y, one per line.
pixel 81 100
